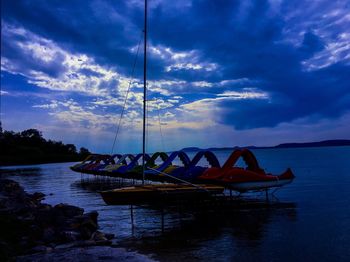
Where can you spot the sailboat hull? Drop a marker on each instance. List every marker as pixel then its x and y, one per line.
pixel 157 194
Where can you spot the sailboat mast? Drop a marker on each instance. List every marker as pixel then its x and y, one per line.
pixel 144 94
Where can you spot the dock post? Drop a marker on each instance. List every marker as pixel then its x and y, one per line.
pixel 132 219
pixel 162 214
pixel 267 195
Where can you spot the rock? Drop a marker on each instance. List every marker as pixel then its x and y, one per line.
pixel 38 249
pixel 35 232
pixel 80 243
pixel 73 224
pixel 109 236
pixel 46 216
pixel 23 245
pixel 28 218
pixel 88 216
pixel 100 239
pixel 98 236
pixel 90 224
pixel 93 216
pixel 10 188
pixel 38 196
pixel 39 243
pixel 65 246
pixel 85 243
pixel 85 233
pixel 104 243
pixel 49 235
pixel 44 207
pixel 69 210
pixel 69 236
pixel 5 251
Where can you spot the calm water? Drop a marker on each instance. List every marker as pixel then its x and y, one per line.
pixel 316 229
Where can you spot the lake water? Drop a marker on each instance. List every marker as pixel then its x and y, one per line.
pixel 315 228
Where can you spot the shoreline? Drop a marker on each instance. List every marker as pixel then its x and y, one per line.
pixel 34 164
pixel 36 231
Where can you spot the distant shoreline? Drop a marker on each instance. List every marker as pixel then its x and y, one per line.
pixel 326 143
pixel 2 167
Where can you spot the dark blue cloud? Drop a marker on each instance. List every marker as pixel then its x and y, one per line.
pixel 252 46
pixel 324 93
pixel 78 25
pixel 89 72
pixel 311 43
pixel 245 39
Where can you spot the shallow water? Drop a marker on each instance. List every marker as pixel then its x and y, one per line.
pixel 315 227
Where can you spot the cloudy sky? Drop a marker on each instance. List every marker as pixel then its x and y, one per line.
pixel 221 73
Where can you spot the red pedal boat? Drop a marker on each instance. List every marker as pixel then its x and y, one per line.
pixel 245 179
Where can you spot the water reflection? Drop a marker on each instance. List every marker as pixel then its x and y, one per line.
pixel 30 171
pixel 215 229
pixel 99 183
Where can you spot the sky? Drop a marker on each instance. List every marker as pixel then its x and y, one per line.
pixel 220 73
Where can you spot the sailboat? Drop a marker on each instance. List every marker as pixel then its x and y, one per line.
pixel 155 192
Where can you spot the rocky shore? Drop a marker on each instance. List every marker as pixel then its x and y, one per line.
pixel 36 231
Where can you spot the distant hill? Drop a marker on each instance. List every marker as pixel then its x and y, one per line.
pixel 337 142
pixel 191 149
pixel 340 142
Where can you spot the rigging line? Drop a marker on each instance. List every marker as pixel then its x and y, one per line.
pixel 160 128
pixel 127 93
pixel 0 105
pixel 147 124
pixel 179 179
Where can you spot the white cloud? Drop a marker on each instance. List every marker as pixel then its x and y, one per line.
pixel 74 72
pixel 161 104
pixel 335 51
pixel 246 93
pixel 244 80
pixel 184 60
pixel 165 87
pixel 192 66
pixel 167 53
pixel 52 105
pixel 109 101
pixel 202 84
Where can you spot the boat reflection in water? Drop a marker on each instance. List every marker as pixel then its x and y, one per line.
pixel 203 233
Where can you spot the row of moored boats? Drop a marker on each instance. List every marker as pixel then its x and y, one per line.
pixel 160 167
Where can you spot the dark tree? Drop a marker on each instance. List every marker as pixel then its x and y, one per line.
pixel 84 152
pixel 32 133
pixel 29 147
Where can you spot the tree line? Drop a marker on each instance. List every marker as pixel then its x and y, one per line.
pixel 29 147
